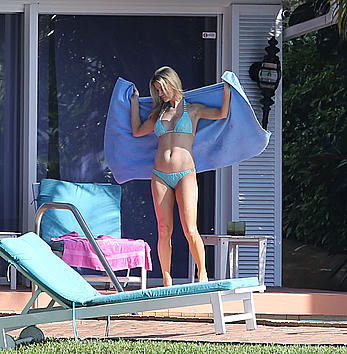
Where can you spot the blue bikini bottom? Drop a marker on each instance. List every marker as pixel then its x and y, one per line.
pixel 171 179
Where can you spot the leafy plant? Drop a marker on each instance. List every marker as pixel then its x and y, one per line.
pixel 314 139
pixel 340 14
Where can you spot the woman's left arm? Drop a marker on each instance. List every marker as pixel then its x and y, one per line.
pixel 216 113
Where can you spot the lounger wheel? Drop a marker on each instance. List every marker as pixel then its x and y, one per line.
pixel 29 334
pixel 10 342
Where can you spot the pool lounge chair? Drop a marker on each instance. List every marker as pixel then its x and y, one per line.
pixel 76 299
pixel 90 209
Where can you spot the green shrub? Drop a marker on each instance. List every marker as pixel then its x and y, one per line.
pixel 315 140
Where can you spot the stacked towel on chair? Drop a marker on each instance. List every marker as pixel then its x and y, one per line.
pixel 120 253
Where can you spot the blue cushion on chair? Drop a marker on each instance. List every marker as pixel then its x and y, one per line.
pixel 99 205
pixel 35 260
pixel 175 290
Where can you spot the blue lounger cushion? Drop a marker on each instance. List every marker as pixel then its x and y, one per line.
pixel 33 256
pixel 30 254
pixel 175 290
pixel 98 203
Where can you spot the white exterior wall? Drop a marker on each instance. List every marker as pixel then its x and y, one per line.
pixel 256 183
pixel 250 191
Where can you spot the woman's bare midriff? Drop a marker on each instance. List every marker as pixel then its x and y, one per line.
pixel 174 153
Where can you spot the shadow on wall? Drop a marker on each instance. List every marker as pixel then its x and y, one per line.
pixel 310 267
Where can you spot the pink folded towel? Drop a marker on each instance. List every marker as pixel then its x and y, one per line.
pixel 120 253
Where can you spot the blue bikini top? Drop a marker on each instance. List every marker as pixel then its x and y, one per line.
pixel 183 125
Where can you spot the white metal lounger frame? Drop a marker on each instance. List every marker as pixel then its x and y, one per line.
pixel 110 277
pixel 86 230
pixel 50 314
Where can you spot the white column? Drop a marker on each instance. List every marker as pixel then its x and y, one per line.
pixel 278 180
pixel 223 175
pixel 235 56
pixel 29 115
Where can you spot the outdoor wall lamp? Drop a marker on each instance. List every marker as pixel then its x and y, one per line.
pixel 267 75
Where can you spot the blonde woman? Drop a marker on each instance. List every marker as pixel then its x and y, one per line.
pixel 174 121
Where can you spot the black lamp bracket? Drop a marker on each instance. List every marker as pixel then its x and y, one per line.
pixel 267 74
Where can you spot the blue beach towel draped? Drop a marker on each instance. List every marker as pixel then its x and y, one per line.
pixel 218 143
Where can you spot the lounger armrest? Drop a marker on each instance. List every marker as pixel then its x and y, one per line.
pixel 67 206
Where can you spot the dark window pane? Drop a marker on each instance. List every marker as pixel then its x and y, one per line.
pixel 80 59
pixel 9 124
pixel 9 121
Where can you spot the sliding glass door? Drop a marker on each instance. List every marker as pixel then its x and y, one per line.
pixel 80 59
pixel 10 71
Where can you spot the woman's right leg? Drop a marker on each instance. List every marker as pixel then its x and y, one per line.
pixel 163 198
pixel 187 201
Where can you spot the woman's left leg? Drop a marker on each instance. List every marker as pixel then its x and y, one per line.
pixel 164 199
pixel 187 201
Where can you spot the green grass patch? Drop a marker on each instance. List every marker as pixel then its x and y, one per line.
pixel 70 346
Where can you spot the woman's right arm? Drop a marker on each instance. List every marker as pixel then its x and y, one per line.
pixel 139 128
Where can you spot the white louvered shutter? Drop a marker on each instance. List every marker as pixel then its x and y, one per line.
pixel 256 193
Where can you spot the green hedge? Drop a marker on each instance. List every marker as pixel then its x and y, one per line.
pixel 315 140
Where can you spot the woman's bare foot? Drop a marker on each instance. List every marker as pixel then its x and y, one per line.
pixel 202 277
pixel 167 280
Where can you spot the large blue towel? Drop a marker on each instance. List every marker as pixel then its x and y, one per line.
pixel 218 143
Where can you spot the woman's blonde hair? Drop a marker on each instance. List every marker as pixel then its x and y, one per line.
pixel 167 77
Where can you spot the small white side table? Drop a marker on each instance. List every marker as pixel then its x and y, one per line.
pixel 228 247
pixel 13 277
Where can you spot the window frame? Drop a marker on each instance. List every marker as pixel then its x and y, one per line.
pixel 30 83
